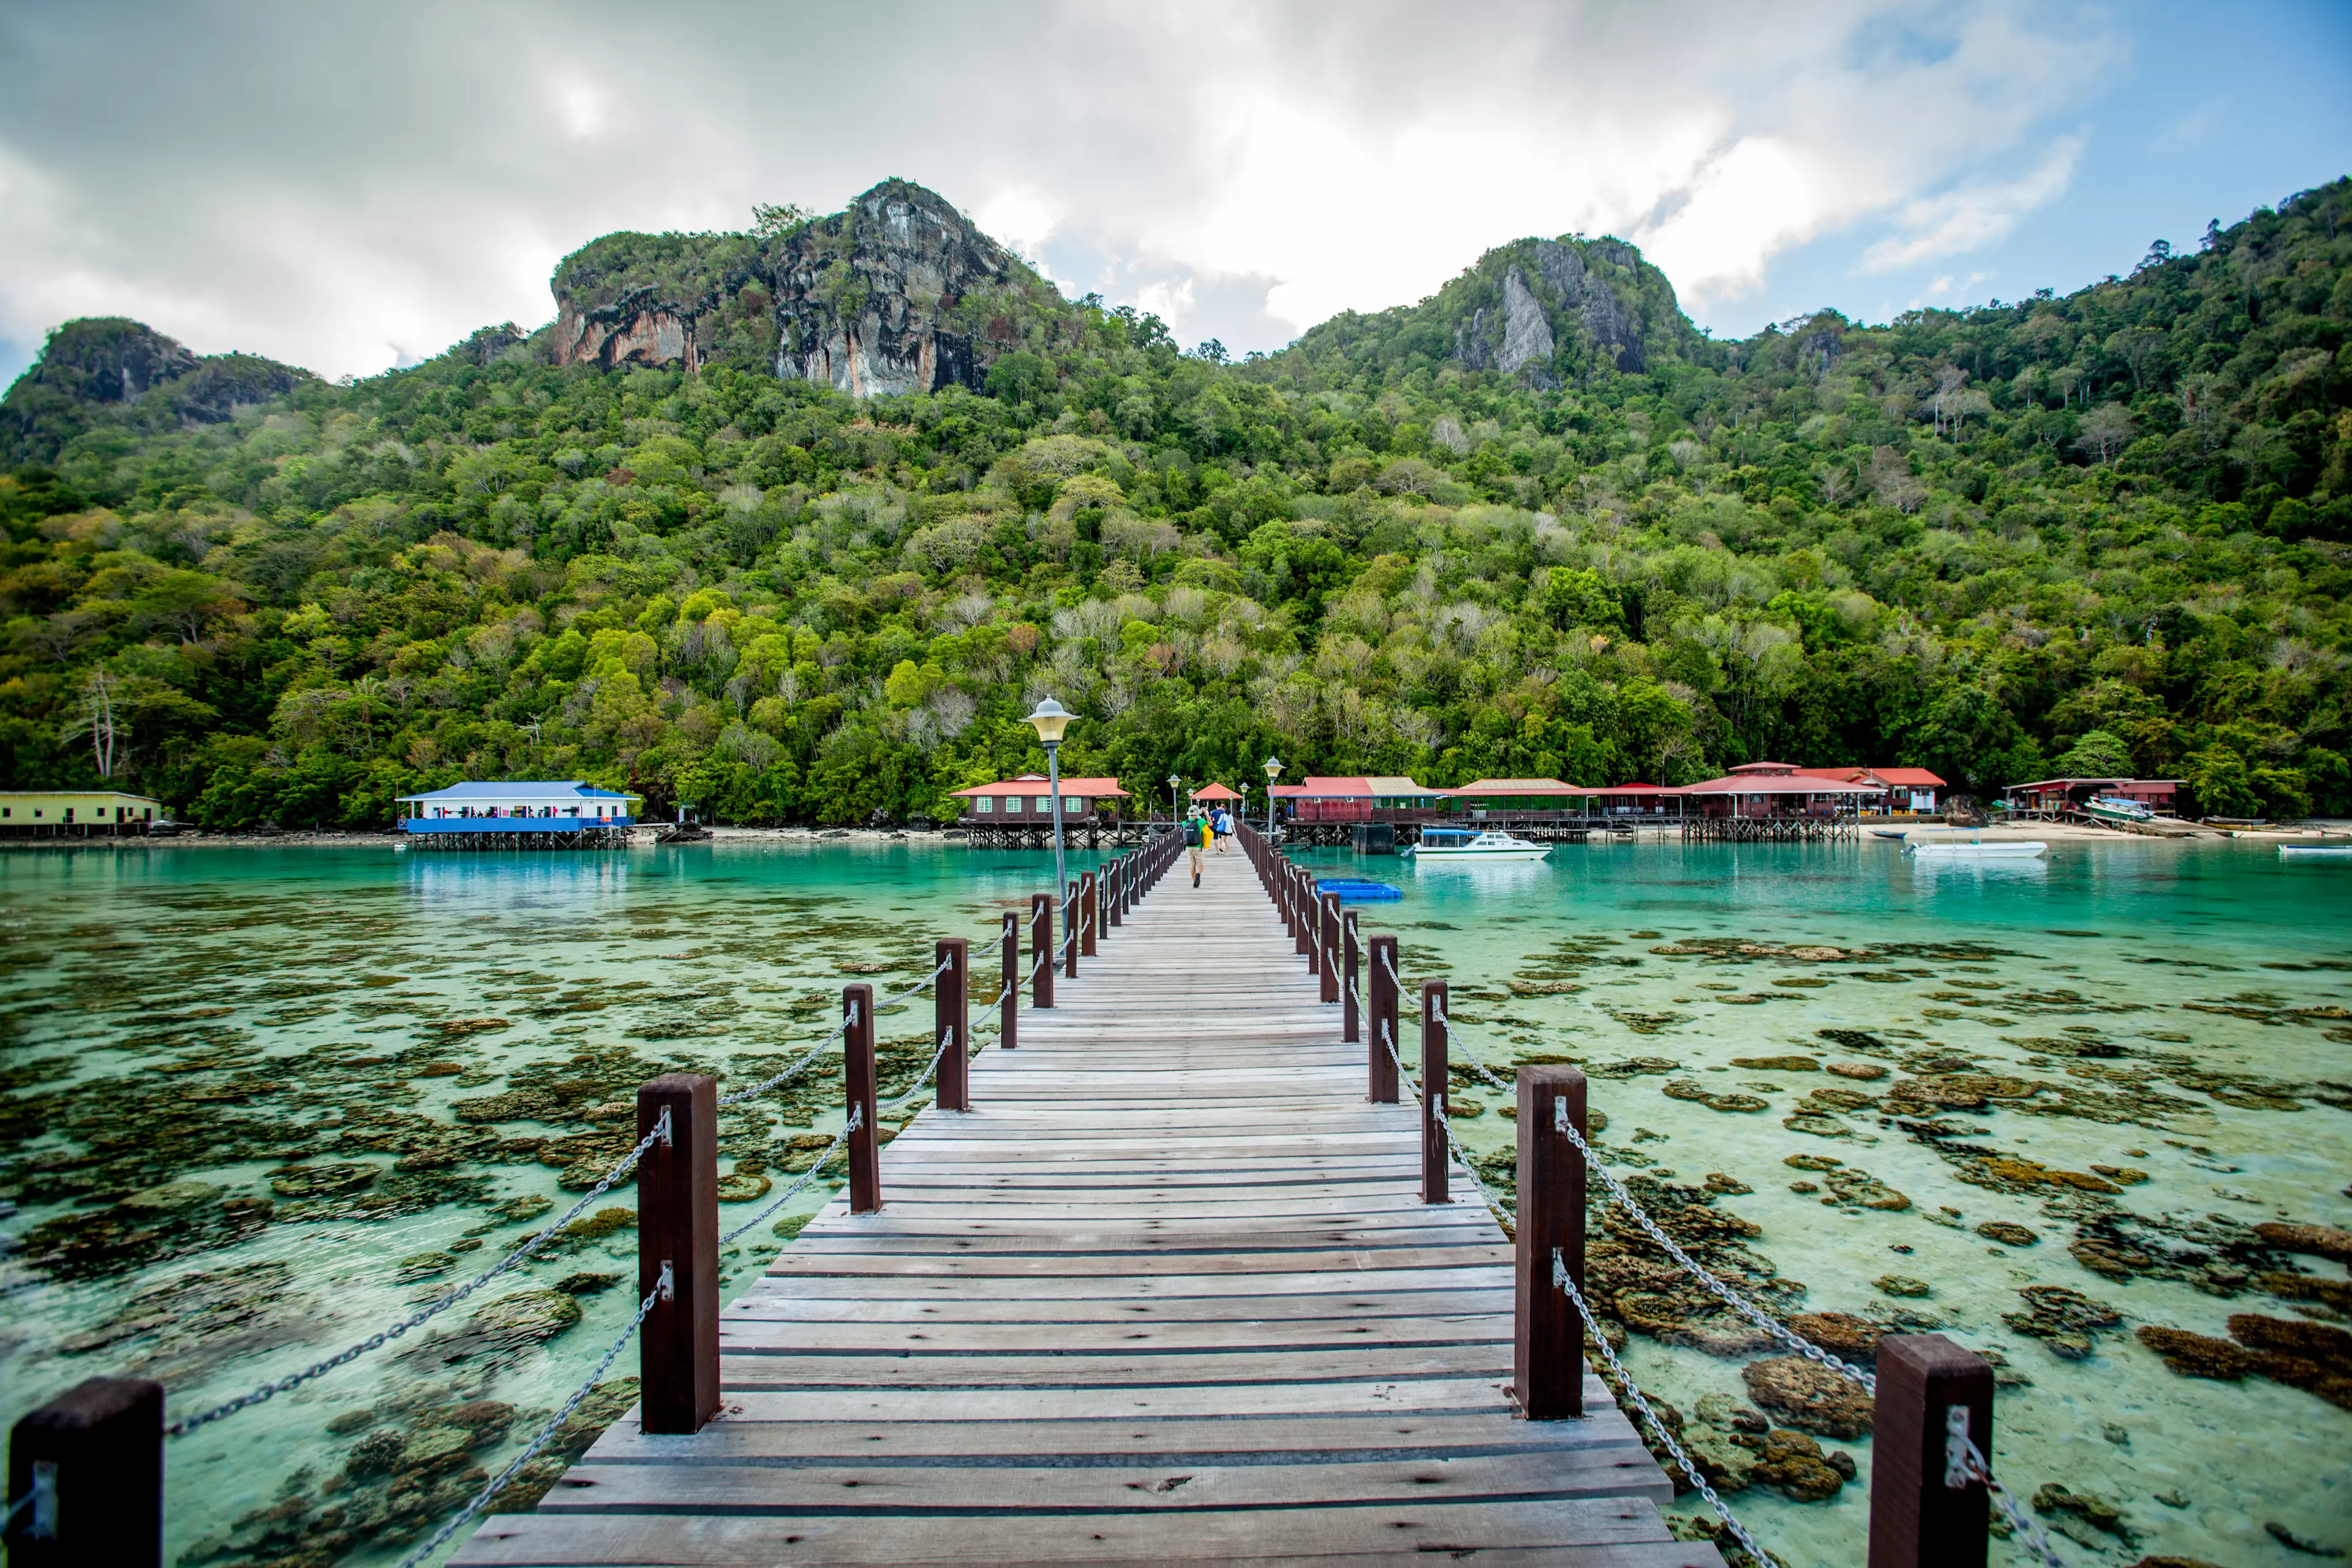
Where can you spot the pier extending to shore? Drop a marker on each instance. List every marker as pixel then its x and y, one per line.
pixel 1189 1266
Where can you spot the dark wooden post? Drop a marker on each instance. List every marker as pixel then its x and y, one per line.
pixel 1351 1022
pixel 1330 966
pixel 1115 889
pixel 90 1464
pixel 678 1227
pixel 857 1067
pixel 952 1013
pixel 1917 1519
pixel 1071 917
pixel 1008 996
pixel 1040 950
pixel 1089 912
pixel 1302 905
pixel 1547 1358
pixel 1382 1037
pixel 1433 1154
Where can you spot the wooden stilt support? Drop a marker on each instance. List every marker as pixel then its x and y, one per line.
pixel 677 1234
pixel 1928 1387
pixel 952 1021
pixel 1436 1160
pixel 88 1468
pixel 858 1099
pixel 1548 1359
pixel 1380 1039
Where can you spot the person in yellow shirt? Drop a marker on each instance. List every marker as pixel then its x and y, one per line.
pixel 1201 836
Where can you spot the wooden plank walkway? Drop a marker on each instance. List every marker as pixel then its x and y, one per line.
pixel 1168 1292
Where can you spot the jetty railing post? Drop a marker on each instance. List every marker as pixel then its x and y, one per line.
pixel 859 1101
pixel 1008 994
pixel 1382 1037
pixel 1302 904
pixel 1548 1354
pixel 1435 1163
pixel 1089 912
pixel 952 1012
pixel 1329 965
pixel 1073 916
pixel 678 1229
pixel 1918 1518
pixel 89 1467
pixel 1350 1004
pixel 1041 948
pixel 1114 890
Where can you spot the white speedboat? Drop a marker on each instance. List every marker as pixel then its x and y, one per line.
pixel 1974 848
pixel 1451 844
pixel 2315 852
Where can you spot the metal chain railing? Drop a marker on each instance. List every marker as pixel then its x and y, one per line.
pixel 1965 1462
pixel 1503 1216
pixel 856 1119
pixel 764 1085
pixel 1695 1269
pixel 441 1304
pixel 1649 1416
pixel 661 1292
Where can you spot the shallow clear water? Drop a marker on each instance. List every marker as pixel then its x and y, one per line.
pixel 204 1031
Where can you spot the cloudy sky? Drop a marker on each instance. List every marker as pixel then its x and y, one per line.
pixel 352 187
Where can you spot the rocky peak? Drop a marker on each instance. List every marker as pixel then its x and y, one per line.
pixel 1596 294
pixel 899 292
pixel 94 369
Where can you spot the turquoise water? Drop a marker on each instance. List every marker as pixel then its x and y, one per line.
pixel 261 1101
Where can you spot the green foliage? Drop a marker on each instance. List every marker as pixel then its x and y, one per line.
pixel 2113 529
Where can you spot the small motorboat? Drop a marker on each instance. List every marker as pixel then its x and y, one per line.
pixel 1451 844
pixel 1897 834
pixel 1355 890
pixel 2315 851
pixel 2116 808
pixel 1975 847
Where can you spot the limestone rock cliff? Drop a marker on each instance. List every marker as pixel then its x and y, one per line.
pixel 1598 290
pixel 897 293
pixel 111 369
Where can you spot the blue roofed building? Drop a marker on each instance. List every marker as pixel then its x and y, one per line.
pixel 534 806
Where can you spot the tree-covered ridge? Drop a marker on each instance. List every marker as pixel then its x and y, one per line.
pixel 2067 533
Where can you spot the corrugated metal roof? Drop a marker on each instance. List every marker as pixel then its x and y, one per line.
pixel 1034 783
pixel 522 789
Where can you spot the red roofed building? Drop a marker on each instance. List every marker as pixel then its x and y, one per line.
pixel 1029 799
pixel 1357 798
pixel 1775 789
pixel 1905 789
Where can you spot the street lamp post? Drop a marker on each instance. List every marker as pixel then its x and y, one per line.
pixel 1173 782
pixel 1273 771
pixel 1050 721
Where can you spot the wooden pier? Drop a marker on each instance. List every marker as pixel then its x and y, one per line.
pixel 1166 1292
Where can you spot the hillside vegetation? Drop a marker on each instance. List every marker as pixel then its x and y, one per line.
pixel 1534 525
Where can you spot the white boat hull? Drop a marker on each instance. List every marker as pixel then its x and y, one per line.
pixel 1461 854
pixel 2019 850
pixel 2315 852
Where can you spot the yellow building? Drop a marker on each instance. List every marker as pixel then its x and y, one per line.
pixel 75 813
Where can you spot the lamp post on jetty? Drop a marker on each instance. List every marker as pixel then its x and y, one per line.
pixel 1273 771
pixel 1049 720
pixel 1173 782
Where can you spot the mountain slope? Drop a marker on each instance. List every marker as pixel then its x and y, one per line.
pixel 1534 525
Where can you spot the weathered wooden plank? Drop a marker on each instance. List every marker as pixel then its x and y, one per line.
pixel 1563 1526
pixel 992 1491
pixel 1172 1264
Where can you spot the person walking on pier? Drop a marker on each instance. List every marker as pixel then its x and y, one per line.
pixel 1223 821
pixel 1200 835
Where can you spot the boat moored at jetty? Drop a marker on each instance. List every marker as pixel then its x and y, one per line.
pixel 2315 851
pixel 1974 847
pixel 1462 844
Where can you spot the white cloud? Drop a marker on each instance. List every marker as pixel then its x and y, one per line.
pixel 1976 214
pixel 320 184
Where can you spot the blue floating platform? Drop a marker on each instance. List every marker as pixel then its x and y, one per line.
pixel 1354 891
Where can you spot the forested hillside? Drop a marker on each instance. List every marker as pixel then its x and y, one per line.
pixel 1537 524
